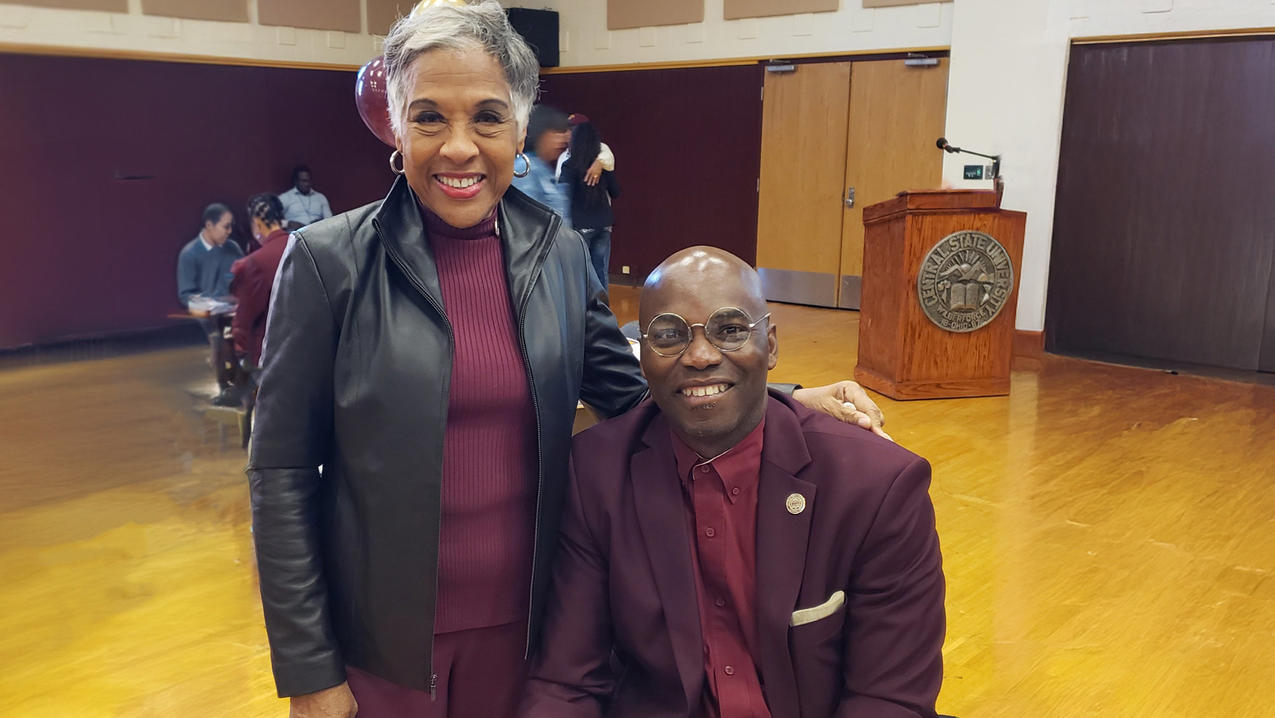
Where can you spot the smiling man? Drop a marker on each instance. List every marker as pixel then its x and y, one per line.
pixel 727 553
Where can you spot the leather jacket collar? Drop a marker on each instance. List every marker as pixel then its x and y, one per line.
pixel 399 226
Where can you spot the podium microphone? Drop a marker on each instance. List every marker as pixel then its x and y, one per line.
pixel 946 146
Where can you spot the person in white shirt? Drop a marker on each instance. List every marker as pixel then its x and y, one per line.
pixel 303 204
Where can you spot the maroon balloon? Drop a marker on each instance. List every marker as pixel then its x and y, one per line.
pixel 370 98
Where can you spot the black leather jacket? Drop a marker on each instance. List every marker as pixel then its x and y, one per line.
pixel 346 459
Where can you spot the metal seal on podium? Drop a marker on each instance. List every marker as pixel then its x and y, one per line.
pixel 964 281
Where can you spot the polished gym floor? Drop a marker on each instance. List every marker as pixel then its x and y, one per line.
pixel 1108 537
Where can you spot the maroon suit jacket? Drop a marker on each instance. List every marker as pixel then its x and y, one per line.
pixel 621 635
pixel 252 283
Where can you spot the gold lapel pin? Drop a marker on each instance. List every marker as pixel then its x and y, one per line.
pixel 796 503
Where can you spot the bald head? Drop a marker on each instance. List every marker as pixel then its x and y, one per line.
pixel 712 397
pixel 713 275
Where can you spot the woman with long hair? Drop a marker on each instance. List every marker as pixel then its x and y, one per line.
pixel 591 213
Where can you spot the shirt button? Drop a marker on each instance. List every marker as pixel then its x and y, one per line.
pixel 729 670
pixel 709 532
pixel 734 491
pixel 720 602
pixel 703 469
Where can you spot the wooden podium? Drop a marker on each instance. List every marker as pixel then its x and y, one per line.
pixel 940 287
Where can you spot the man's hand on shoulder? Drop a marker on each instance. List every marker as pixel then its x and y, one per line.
pixel 334 702
pixel 846 401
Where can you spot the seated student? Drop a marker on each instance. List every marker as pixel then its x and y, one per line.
pixel 203 282
pixel 726 552
pixel 203 265
pixel 302 203
pixel 254 278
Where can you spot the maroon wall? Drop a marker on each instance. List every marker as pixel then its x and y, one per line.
pixel 88 251
pixel 688 153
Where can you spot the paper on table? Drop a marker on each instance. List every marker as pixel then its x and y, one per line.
pixel 211 305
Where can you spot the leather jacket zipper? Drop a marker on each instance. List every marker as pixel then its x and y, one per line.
pixel 540 459
pixel 540 488
pixel 451 342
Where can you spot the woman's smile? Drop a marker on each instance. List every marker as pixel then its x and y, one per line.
pixel 462 136
pixel 460 186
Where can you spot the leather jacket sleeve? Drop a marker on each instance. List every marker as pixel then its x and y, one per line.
pixel 290 440
pixel 612 380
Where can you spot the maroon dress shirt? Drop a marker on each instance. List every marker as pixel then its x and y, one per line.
pixel 721 503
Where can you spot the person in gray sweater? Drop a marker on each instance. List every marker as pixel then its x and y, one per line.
pixel 203 272
pixel 203 266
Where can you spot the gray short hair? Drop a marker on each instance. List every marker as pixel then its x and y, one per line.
pixel 460 26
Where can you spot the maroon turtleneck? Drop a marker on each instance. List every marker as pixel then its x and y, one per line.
pixel 489 448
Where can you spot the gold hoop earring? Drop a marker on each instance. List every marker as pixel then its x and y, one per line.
pixel 397 170
pixel 526 163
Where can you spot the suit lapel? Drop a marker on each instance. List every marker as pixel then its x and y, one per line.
pixel 782 537
pixel 661 512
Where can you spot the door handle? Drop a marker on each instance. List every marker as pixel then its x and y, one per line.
pixel 850 198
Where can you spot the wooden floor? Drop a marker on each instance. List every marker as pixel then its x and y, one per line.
pixel 1108 533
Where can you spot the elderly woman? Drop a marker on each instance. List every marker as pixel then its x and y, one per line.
pixel 423 361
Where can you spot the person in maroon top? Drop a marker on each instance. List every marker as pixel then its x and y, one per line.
pixel 253 278
pixel 726 552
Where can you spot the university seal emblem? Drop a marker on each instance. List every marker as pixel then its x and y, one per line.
pixel 964 281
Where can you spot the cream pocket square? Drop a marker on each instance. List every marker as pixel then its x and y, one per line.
pixel 823 610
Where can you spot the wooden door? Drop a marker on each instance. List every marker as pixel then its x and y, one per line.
pixel 1164 225
pixel 896 113
pixel 802 174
